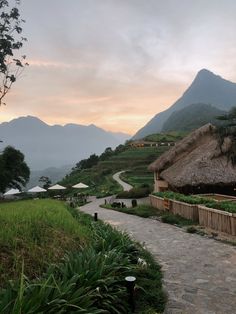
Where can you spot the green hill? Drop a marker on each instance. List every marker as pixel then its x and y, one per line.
pixel 97 172
pixel 192 117
pixel 206 88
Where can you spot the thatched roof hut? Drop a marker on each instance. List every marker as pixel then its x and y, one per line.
pixel 198 163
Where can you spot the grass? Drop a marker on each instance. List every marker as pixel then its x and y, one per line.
pixel 89 278
pixel 144 211
pixel 166 137
pixel 38 232
pixel 147 211
pixel 135 193
pixel 99 177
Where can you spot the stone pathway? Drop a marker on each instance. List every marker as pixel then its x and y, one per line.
pixel 199 273
pixel 125 186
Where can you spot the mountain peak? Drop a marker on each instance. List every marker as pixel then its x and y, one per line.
pixel 26 120
pixel 206 88
pixel 206 74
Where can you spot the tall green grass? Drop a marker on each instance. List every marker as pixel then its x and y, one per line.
pixel 38 232
pixel 90 280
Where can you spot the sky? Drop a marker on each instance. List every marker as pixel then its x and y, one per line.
pixel 117 63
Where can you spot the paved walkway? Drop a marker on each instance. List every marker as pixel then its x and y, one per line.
pixel 199 273
pixel 125 186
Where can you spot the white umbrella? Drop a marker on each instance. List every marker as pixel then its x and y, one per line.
pixel 57 187
pixel 37 189
pixel 12 192
pixel 80 186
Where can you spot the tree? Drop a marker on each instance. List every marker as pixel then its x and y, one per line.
pixel 11 66
pixel 87 163
pixel 14 172
pixel 46 182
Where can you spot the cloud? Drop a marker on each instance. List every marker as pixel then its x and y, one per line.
pixel 118 63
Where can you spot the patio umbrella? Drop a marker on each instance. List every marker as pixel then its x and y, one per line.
pixel 80 186
pixel 57 187
pixel 12 192
pixel 37 189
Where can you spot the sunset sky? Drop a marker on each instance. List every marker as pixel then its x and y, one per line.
pixel 116 63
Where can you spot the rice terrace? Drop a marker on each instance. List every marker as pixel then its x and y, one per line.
pixel 117 157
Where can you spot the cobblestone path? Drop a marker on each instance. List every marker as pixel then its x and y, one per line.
pixel 199 273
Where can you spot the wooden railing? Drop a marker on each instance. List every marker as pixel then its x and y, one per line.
pixel 185 210
pixel 215 219
pixel 218 220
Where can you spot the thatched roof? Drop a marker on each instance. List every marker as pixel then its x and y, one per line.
pixel 197 159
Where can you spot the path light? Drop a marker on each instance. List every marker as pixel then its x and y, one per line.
pixel 130 281
pixel 95 216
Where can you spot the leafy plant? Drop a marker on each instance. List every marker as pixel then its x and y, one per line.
pixel 135 193
pixel 90 278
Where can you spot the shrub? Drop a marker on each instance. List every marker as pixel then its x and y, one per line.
pixel 90 280
pixel 175 219
pixel 135 193
pixel 191 229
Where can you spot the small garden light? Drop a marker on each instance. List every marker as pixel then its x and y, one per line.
pixel 95 216
pixel 130 281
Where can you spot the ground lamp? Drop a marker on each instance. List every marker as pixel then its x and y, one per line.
pixel 130 282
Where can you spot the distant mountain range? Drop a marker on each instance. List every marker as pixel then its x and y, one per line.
pixel 207 88
pixel 47 146
pixel 53 173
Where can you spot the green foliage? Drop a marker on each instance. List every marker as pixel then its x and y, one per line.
pixel 90 280
pixel 135 193
pixel 166 137
pixel 87 163
pixel 223 205
pixel 10 42
pixel 46 182
pixel 183 198
pixel 192 117
pixel 99 177
pixel 14 172
pixel 175 219
pixel 228 129
pixel 191 229
pixel 38 232
pixel 141 210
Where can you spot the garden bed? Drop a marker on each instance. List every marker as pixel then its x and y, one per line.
pixel 217 215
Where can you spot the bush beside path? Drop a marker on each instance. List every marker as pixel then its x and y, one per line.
pixel 199 273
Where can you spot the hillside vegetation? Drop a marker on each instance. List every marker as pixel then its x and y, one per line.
pixel 55 259
pixel 206 88
pixel 38 232
pixel 98 174
pixel 192 117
